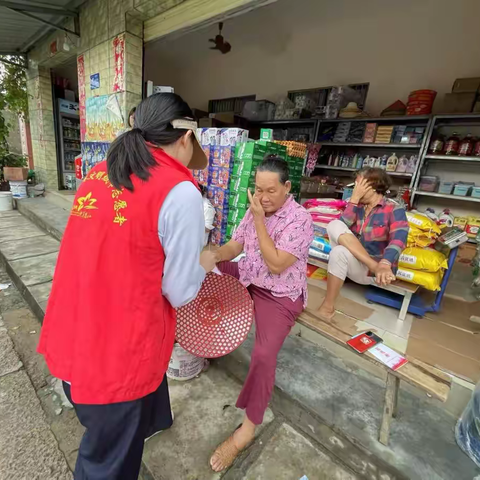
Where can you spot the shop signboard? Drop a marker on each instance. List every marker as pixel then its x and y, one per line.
pixel 65 106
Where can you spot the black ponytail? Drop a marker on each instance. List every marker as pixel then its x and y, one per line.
pixel 129 153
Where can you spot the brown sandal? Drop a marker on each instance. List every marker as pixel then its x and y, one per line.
pixel 227 452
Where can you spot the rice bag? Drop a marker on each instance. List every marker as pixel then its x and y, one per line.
pixel 418 238
pixel 430 281
pixel 422 222
pixel 425 259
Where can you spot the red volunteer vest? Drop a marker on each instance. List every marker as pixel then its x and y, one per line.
pixel 108 330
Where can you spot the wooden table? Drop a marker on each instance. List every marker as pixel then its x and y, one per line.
pixel 401 288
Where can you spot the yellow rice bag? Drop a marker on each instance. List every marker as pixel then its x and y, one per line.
pixel 418 238
pixel 430 281
pixel 425 259
pixel 422 222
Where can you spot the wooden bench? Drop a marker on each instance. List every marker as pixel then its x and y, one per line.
pixel 429 379
pixel 401 288
pixel 406 290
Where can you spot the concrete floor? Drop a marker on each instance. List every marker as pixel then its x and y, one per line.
pixel 330 402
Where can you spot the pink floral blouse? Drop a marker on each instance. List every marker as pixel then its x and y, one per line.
pixel 291 229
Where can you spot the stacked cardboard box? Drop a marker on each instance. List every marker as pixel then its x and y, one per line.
pixel 296 166
pixel 247 157
pixel 219 145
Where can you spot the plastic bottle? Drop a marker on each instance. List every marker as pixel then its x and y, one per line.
pixel 451 147
pixel 446 218
pixel 466 146
pixel 392 163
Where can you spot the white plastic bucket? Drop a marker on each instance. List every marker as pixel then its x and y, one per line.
pixel 19 189
pixel 6 202
pixel 183 365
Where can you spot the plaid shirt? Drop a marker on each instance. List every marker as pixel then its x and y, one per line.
pixel 383 233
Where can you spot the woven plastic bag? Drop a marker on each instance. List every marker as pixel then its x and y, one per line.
pixel 430 281
pixel 467 431
pixel 419 238
pixel 422 222
pixel 425 259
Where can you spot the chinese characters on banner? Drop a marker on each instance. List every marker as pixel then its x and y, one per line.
pixel 119 56
pixel 82 95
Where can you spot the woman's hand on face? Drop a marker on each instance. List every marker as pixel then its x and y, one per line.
pixel 384 275
pixel 256 207
pixel 208 260
pixel 362 187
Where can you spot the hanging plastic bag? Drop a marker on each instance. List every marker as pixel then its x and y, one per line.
pixel 425 259
pixel 467 431
pixel 430 281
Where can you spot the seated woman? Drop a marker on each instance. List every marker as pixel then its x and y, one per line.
pixel 368 240
pixel 275 235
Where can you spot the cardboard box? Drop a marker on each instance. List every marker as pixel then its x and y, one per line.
pixel 238 200
pixel 209 136
pixel 466 85
pixel 229 137
pixel 459 102
pixel 15 174
pixel 235 215
pixel 222 156
pixel 218 196
pixel 220 177
pixel 239 181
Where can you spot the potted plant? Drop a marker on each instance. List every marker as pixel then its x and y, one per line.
pixel 14 167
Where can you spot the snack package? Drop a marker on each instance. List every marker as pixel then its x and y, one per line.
pixel 321 244
pixel 424 259
pixel 422 222
pixel 430 281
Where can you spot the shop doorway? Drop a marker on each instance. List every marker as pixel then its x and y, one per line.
pixel 66 122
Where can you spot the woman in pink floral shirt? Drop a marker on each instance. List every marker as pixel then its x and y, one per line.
pixel 275 236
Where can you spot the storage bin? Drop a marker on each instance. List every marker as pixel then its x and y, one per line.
pixel 461 189
pixel 476 192
pixel 446 188
pixel 428 183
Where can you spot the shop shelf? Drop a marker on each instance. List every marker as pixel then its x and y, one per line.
pixel 404 118
pixel 293 121
pixel 374 145
pixel 452 197
pixel 318 263
pixel 72 139
pixel 452 158
pixel 348 169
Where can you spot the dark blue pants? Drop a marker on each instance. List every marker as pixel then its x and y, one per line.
pixel 112 446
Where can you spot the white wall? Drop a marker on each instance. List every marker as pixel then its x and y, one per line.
pixel 397 46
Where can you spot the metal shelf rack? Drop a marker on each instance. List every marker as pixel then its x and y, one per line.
pixel 439 121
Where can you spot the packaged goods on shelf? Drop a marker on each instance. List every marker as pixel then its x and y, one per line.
pixel 428 183
pixel 370 131
pixel 318 254
pixel 294 149
pixel 356 133
pixel 430 281
pixel 230 137
pixel 384 134
pixel 463 189
pixel 424 259
pixel 342 131
pixel 472 228
pixel 316 273
pixel 420 102
pixel 322 244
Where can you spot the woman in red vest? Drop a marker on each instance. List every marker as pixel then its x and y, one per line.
pixel 130 255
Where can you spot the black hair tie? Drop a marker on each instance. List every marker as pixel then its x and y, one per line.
pixel 139 130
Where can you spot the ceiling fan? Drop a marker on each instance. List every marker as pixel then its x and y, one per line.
pixel 219 41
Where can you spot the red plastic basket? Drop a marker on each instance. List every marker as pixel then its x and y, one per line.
pixel 218 320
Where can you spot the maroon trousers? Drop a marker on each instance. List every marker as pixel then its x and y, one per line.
pixel 274 318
